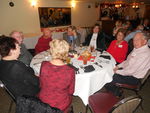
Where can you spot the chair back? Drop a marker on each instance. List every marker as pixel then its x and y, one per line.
pixel 127 105
pixel 2 85
pixel 145 77
pixel 7 90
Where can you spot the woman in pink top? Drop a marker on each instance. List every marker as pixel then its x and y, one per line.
pixel 119 48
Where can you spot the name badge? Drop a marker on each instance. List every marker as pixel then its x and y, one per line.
pixel 120 46
pixel 133 54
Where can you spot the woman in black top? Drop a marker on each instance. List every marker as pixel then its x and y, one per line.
pixel 16 76
pixel 96 38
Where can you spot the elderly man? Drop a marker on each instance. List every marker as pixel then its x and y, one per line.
pixel 134 67
pixel 43 42
pixel 25 55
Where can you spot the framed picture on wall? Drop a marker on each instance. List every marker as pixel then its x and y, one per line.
pixel 54 16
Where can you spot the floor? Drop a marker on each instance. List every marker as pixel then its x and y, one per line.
pixel 77 103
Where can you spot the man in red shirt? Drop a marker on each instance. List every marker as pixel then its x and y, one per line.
pixel 43 42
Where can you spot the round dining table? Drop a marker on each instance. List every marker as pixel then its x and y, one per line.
pixel 86 83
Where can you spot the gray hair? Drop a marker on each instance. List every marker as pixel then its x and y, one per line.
pixel 13 32
pixel 145 35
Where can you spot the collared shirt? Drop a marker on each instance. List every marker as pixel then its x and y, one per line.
pixel 149 42
pixel 25 56
pixel 93 40
pixel 137 63
pixel 131 35
pixel 71 38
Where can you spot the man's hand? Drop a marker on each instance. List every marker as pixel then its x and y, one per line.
pixel 115 69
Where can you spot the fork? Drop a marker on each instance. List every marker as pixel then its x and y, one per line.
pixel 98 64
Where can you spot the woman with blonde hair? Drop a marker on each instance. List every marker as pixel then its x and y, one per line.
pixel 56 78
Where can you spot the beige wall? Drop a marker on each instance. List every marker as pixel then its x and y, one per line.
pixel 24 17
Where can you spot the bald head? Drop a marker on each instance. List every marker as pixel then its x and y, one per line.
pixel 140 39
pixel 46 33
pixel 17 35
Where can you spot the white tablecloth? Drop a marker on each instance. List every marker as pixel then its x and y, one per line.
pixel 85 83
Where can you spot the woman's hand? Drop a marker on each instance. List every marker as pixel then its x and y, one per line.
pixel 74 33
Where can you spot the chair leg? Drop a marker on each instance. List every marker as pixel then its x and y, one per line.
pixel 71 110
pixel 141 105
pixel 10 107
pixel 86 109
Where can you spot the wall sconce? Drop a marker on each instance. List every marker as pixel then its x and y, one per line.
pixel 73 4
pixel 33 3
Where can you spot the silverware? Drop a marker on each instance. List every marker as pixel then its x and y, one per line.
pixel 98 64
pixel 77 72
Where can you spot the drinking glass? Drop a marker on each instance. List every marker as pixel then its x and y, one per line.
pixel 91 48
pixel 68 59
pixel 85 58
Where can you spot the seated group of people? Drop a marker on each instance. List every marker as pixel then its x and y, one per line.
pixel 56 82
pixel 134 67
pixel 55 86
pixel 132 58
pixel 124 34
pixel 96 39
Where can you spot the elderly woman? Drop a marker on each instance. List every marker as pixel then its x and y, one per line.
pixel 119 48
pixel 56 78
pixel 17 77
pixel 72 36
pixel 96 38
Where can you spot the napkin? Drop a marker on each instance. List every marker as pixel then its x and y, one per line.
pixel 89 68
pixel 105 56
pixel 80 58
